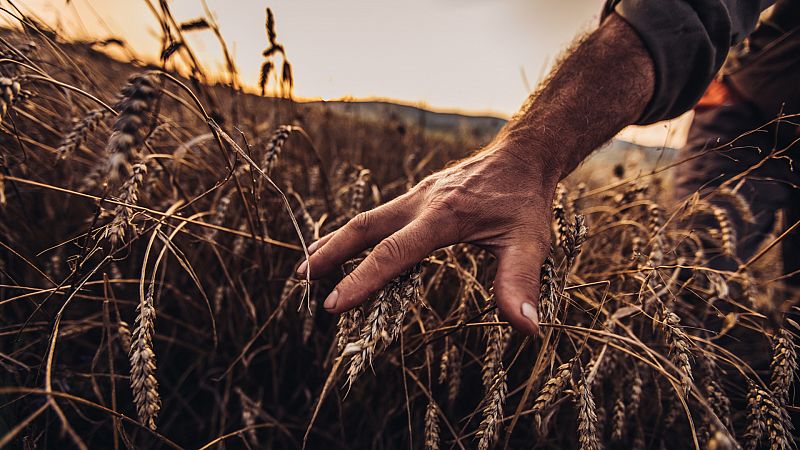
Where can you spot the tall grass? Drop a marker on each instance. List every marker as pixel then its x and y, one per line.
pixel 167 211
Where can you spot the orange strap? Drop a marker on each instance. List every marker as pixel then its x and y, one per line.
pixel 717 94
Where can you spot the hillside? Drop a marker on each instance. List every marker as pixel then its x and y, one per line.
pixel 479 127
pixel 470 129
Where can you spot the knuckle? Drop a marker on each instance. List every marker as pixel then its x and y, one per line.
pixel 319 255
pixel 355 278
pixel 426 184
pixel 446 205
pixel 389 250
pixel 444 219
pixel 361 222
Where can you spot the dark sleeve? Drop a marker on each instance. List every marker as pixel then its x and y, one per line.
pixel 688 41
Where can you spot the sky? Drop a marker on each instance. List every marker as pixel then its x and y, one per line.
pixel 476 56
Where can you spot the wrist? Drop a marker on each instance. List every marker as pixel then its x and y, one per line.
pixel 536 159
pixel 535 148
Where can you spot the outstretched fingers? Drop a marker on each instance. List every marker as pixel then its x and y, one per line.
pixel 390 258
pixel 516 285
pixel 361 232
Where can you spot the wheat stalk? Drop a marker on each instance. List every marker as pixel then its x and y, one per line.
pixel 80 132
pixel 143 363
pixel 560 222
pixel 431 427
pixel 726 230
pixel 286 77
pixel 783 365
pixel 678 342
pixel 450 369
pixel 548 290
pixel 740 204
pixel 275 146
pixel 373 331
pixel 406 295
pixel 635 398
pixel 554 386
pixel 116 230
pixel 137 100
pixel 349 322
pixel 10 91
pixel 715 394
pixel 388 309
pixel 492 411
pixel 655 223
pixel 308 319
pixel 588 435
pixel 767 420
pixel 124 334
pixel 618 418
pixel 496 342
pixel 357 192
pixel 220 211
pixel 250 412
pixel 219 297
pixel 574 239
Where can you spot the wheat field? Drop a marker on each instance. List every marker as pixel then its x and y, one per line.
pixel 151 221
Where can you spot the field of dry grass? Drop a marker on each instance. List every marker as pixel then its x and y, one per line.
pixel 150 224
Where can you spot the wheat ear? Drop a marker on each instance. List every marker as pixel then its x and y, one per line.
pixel 548 291
pixel 80 132
pixel 783 365
pixel 432 427
pixel 10 91
pixel 562 376
pixel 767 420
pixel 137 100
pixel 588 436
pixel 492 411
pixel 143 363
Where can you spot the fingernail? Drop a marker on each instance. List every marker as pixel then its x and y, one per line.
pixel 302 269
pixel 313 247
pixel 330 302
pixel 529 311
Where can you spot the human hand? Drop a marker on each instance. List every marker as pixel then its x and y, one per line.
pixel 499 200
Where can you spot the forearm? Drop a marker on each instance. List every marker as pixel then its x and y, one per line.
pixel 603 86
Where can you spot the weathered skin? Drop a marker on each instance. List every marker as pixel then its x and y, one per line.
pixel 500 199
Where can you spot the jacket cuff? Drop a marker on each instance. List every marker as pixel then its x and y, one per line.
pixel 688 45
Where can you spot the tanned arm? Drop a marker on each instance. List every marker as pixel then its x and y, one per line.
pixel 602 87
pixel 501 198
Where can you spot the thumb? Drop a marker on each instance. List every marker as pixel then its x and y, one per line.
pixel 516 286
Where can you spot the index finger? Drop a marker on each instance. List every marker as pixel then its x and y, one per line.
pixel 361 232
